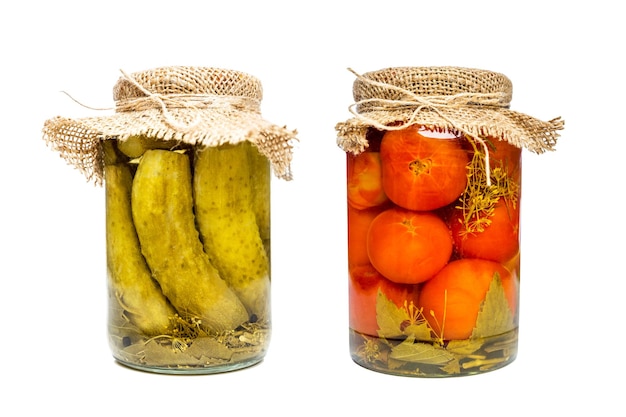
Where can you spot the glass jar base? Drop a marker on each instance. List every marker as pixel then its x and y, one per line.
pixel 192 370
pixel 432 360
pixel 200 356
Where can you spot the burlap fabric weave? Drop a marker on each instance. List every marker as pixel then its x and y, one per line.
pixel 195 105
pixel 466 101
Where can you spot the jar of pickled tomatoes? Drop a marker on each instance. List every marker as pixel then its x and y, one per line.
pixel 433 184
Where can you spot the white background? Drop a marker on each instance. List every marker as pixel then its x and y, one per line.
pixel 564 60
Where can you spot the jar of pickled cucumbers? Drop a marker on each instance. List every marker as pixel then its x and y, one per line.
pixel 186 162
pixel 433 186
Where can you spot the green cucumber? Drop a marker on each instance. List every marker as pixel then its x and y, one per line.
pixel 228 225
pixel 162 205
pixel 130 280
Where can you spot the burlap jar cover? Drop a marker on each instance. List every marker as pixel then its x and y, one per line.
pixel 462 100
pixel 195 105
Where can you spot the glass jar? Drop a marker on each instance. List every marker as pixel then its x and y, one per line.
pixel 433 215
pixel 186 165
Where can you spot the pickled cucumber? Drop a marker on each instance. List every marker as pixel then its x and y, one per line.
pixel 228 226
pixel 130 279
pixel 162 207
pixel 260 181
pixel 135 146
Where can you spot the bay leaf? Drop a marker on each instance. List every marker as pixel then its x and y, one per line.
pixel 495 316
pixel 210 348
pixel 452 368
pixel 398 322
pixel 420 330
pixel 409 351
pixel 390 318
pixel 464 347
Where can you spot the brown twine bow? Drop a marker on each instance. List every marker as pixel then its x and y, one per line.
pixel 434 103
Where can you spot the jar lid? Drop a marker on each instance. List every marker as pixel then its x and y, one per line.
pixel 195 105
pixel 467 101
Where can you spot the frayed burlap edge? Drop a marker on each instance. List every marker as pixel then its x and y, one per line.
pixel 394 98
pixel 196 106
pixel 79 140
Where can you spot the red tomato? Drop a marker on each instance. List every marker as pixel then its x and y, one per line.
pixel 504 155
pixel 499 241
pixel 365 282
pixel 422 173
pixel 455 294
pixel 408 247
pixel 364 173
pixel 358 225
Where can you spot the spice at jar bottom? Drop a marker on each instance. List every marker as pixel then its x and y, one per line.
pixel 433 158
pixel 186 164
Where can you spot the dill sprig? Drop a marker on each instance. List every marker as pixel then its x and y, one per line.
pixel 480 197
